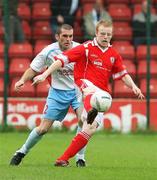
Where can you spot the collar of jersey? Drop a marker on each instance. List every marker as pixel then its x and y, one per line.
pixel 95 43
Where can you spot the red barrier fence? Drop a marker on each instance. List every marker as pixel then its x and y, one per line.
pixel 125 115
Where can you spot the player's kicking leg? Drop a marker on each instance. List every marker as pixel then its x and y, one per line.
pixel 33 138
pixel 79 141
pixel 80 159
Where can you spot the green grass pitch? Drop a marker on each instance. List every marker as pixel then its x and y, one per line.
pixel 109 157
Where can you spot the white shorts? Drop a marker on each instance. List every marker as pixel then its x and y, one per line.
pixel 98 119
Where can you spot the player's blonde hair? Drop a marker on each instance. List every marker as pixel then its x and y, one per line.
pixel 105 23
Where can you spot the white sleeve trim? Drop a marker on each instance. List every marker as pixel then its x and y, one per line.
pixel 119 74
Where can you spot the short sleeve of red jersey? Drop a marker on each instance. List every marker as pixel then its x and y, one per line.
pixel 119 69
pixel 75 54
pixel 72 55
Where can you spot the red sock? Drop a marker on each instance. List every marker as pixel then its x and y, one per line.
pixel 78 142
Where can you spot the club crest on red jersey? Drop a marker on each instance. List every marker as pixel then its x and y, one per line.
pixel 112 59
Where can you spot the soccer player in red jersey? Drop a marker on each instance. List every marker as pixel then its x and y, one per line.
pixel 95 62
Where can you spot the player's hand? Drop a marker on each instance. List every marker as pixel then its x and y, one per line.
pixel 18 85
pixel 138 92
pixel 38 79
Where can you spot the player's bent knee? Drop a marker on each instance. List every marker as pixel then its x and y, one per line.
pixel 93 129
pixel 45 125
pixel 41 130
pixel 90 129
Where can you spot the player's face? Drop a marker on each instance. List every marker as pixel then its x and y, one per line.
pixel 65 39
pixel 104 35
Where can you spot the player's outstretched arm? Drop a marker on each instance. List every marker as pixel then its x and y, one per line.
pixel 28 75
pixel 130 83
pixel 40 78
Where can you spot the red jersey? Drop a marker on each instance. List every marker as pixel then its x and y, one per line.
pixel 94 64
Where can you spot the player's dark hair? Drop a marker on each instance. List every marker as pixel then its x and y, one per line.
pixel 63 26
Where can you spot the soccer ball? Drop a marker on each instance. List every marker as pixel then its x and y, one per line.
pixel 101 100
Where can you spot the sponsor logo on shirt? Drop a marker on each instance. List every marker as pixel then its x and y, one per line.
pixel 65 72
pixel 98 62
